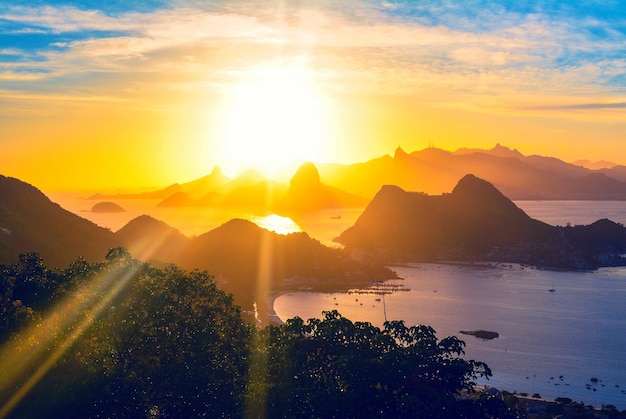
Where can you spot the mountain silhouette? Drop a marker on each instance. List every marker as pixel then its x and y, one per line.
pixel 30 222
pixel 246 260
pixel 308 193
pixel 431 170
pixel 519 177
pixel 199 187
pixel 476 222
pixel 149 239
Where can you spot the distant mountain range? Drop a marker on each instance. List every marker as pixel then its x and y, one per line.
pixel 477 222
pixel 432 170
pixel 519 177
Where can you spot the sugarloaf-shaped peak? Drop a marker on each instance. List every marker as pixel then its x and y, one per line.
pixel 308 193
pixel 306 176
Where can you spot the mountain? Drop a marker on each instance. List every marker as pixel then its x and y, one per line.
pixel 305 193
pixel 431 170
pixel 200 187
pixel 158 194
pixel 308 193
pixel 261 195
pixel 617 172
pixel 519 177
pixel 152 240
pixel 595 165
pixel 476 222
pixel 195 188
pixel 475 216
pixel 30 222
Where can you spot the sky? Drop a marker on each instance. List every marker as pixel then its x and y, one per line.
pixel 124 95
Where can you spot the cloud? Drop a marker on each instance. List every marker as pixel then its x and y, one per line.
pixel 581 106
pixel 439 51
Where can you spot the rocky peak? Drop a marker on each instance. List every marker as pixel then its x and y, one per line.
pixel 307 176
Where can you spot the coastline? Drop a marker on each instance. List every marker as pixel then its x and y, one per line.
pixel 267 315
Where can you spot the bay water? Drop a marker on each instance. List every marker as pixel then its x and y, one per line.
pixel 561 334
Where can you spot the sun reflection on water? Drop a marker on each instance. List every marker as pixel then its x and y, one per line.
pixel 277 224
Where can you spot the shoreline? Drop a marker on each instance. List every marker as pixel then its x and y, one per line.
pixel 268 315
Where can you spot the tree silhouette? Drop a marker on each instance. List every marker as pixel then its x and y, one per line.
pixel 332 367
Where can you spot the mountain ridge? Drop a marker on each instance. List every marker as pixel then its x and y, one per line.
pixel 477 222
pixel 431 170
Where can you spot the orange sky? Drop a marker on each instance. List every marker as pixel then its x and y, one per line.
pixel 124 98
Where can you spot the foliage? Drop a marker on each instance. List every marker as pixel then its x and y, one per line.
pixel 167 343
pixel 145 342
pixel 335 368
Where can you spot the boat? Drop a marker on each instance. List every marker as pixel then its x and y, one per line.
pixel 336 217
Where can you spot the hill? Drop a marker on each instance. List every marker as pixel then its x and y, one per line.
pixel 30 222
pixel 252 262
pixel 107 207
pixel 152 240
pixel 477 222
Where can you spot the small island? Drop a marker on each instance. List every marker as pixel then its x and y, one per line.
pixel 481 334
pixel 107 207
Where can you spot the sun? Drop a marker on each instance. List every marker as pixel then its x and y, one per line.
pixel 273 121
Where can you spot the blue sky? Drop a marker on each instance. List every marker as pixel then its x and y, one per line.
pixel 556 70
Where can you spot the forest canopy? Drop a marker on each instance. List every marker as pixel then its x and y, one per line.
pixel 122 338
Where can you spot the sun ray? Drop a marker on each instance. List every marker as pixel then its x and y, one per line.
pixel 24 362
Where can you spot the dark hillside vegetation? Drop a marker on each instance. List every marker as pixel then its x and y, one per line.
pixel 30 222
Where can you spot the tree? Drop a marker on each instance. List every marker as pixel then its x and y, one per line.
pixel 179 347
pixel 336 368
pixel 168 343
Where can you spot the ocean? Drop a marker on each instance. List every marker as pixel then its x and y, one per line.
pixel 554 343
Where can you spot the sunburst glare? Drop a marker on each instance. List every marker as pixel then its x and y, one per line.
pixel 273 121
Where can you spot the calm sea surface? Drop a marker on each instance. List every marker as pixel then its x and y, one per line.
pixel 551 343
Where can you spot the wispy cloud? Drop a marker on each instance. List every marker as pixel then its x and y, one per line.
pixel 389 48
pixel 581 106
